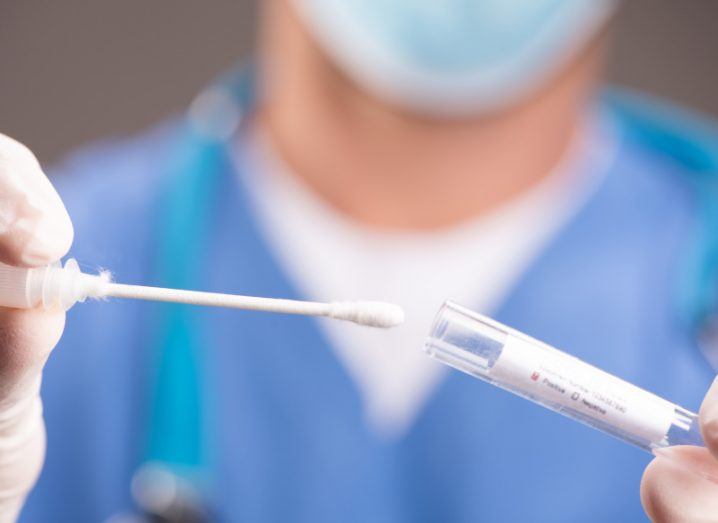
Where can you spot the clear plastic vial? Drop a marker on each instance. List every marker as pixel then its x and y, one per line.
pixel 509 359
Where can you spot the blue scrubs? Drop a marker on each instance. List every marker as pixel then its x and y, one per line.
pixel 286 437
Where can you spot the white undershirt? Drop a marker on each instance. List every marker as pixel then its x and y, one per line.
pixel 330 257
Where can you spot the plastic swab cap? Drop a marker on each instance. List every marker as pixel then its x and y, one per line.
pixel 53 286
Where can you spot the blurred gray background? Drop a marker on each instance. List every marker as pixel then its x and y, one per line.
pixel 76 70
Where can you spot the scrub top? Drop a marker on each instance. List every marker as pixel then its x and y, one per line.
pixel 285 434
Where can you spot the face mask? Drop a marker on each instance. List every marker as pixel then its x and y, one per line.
pixel 453 57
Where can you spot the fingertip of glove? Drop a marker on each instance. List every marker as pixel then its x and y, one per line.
pixel 50 241
pixel 36 228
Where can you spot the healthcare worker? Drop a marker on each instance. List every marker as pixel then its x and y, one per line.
pixel 401 150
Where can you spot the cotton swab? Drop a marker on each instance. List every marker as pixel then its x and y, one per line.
pixel 369 313
pixel 57 286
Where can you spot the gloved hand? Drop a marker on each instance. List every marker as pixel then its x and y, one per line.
pixel 671 493
pixel 34 230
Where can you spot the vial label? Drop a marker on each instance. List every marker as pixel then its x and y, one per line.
pixel 564 381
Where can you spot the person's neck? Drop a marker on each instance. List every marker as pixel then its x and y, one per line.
pixel 393 170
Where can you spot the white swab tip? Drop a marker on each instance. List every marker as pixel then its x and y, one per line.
pixel 369 313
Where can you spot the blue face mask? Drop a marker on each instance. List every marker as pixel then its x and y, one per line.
pixel 455 57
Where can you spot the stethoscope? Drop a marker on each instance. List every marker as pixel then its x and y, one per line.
pixel 166 487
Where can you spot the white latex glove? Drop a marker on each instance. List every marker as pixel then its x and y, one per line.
pixel 34 230
pixel 673 494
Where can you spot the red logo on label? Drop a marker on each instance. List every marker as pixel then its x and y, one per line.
pixel 535 376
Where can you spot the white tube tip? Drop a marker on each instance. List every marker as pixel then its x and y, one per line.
pixel 369 313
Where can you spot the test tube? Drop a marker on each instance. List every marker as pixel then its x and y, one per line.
pixel 509 359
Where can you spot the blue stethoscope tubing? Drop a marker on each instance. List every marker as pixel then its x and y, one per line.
pixel 177 424
pixel 690 141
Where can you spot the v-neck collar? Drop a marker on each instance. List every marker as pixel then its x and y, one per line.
pixel 248 265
